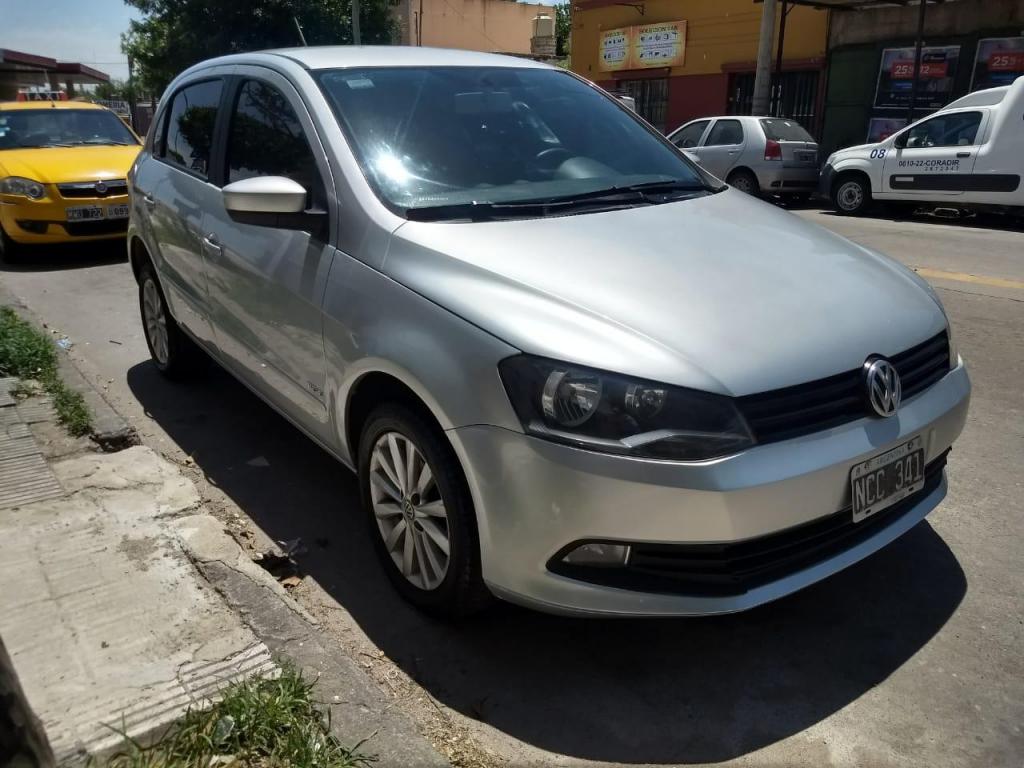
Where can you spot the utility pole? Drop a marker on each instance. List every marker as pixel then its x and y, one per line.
pixel 763 77
pixel 917 60
pixel 356 37
pixel 132 101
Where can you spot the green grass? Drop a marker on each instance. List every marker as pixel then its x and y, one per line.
pixel 28 353
pixel 259 723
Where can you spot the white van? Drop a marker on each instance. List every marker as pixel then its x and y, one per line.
pixel 970 154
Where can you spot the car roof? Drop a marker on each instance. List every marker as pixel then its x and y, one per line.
pixel 342 56
pixel 12 106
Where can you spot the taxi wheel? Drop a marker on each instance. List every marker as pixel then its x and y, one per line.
pixel 10 251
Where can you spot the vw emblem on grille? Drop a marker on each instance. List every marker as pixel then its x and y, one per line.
pixel 883 386
pixel 101 188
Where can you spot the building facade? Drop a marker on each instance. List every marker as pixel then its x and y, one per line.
pixel 682 59
pixel 21 72
pixel 968 45
pixel 499 26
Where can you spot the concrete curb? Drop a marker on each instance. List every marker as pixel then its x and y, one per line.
pixel 111 431
pixel 358 709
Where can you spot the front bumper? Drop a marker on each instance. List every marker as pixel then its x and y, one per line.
pixel 828 174
pixel 45 221
pixel 533 498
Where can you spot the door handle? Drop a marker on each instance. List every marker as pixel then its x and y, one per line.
pixel 210 241
pixel 149 201
pixel 963 154
pixel 734 151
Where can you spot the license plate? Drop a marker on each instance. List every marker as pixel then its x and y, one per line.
pixel 809 157
pixel 84 213
pixel 117 211
pixel 887 478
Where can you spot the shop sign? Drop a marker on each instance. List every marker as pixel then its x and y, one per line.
pixel 999 61
pixel 643 46
pixel 935 85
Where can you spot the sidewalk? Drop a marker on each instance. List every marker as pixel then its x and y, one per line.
pixel 108 620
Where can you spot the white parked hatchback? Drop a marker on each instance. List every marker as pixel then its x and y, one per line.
pixel 571 368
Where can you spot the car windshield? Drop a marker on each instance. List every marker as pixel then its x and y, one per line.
pixel 49 127
pixel 430 137
pixel 780 129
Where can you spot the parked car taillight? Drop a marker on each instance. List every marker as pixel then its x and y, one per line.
pixel 772 150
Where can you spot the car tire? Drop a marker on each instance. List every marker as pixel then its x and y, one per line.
pixel 435 504
pixel 744 181
pixel 174 354
pixel 10 251
pixel 851 195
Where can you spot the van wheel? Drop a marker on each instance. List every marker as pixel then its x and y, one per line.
pixel 851 195
pixel 174 354
pixel 420 513
pixel 744 181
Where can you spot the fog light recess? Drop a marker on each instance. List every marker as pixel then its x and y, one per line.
pixel 598 554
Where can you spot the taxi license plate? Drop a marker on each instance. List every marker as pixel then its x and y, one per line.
pixel 885 479
pixel 84 212
pixel 117 211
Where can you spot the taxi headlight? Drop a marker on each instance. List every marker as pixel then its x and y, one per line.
pixel 17 185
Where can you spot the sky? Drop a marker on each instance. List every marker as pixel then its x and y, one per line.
pixel 86 31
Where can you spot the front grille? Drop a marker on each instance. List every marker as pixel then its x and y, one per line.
pixel 736 567
pixel 100 227
pixel 87 189
pixel 786 413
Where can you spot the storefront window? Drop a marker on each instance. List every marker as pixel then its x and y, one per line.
pixel 651 99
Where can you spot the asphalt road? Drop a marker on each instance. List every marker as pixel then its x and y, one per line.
pixel 914 657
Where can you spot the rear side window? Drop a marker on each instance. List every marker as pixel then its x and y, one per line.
pixel 959 129
pixel 725 132
pixel 690 135
pixel 193 113
pixel 267 139
pixel 780 129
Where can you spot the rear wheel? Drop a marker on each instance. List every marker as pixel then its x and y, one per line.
pixel 420 513
pixel 744 181
pixel 851 195
pixel 175 355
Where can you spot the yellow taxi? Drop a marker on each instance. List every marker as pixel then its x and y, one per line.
pixel 63 171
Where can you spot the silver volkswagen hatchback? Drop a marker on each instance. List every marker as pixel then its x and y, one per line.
pixel 571 369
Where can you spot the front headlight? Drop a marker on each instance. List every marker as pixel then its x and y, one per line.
pixel 618 414
pixel 16 185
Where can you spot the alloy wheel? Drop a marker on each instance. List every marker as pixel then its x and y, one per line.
pixel 409 510
pixel 155 320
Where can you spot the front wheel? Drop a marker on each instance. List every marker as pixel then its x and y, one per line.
pixel 175 355
pixel 420 513
pixel 851 195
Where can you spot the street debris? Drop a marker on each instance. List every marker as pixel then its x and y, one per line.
pixel 279 562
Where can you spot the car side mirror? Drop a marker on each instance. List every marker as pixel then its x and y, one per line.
pixel 271 201
pixel 901 141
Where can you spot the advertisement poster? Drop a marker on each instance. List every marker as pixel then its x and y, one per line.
pixel 999 61
pixel 896 77
pixel 881 128
pixel 659 45
pixel 615 48
pixel 640 47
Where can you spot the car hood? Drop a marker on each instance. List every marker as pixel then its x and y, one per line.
pixel 855 148
pixel 723 293
pixel 56 165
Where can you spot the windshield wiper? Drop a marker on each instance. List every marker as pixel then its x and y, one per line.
pixel 42 146
pixel 104 142
pixel 484 211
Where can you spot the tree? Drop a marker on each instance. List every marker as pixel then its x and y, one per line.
pixel 174 34
pixel 563 29
pixel 115 90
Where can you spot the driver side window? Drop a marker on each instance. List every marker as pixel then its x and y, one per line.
pixel 956 130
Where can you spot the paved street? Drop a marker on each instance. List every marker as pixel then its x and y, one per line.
pixel 911 658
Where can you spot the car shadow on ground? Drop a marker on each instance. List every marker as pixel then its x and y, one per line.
pixel 65 256
pixel 631 691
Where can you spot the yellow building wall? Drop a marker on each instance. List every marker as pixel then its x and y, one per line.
pixel 718 32
pixel 477 25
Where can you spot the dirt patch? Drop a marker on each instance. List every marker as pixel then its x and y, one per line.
pixel 140 551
